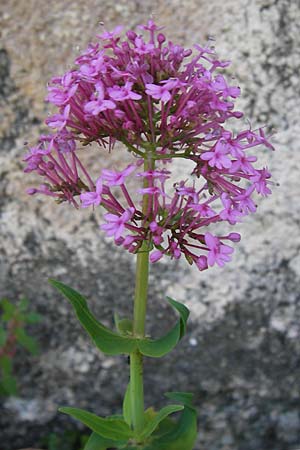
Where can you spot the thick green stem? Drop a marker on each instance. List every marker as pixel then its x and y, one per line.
pixel 141 291
pixel 140 305
pixel 137 391
pixel 136 358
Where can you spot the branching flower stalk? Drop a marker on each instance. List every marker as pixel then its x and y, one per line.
pixel 139 319
pixel 163 103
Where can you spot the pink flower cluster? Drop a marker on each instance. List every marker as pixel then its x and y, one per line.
pixel 163 102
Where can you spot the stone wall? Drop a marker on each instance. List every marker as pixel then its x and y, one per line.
pixel 241 356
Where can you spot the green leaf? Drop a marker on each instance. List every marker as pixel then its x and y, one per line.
pixel 123 326
pixel 97 442
pixel 112 343
pixel 160 347
pixel 114 429
pixel 23 304
pixel 6 365
pixel 149 414
pixel 106 340
pixel 3 336
pixel 27 341
pixel 186 398
pixel 161 415
pixel 130 448
pixel 184 433
pixel 9 386
pixel 8 310
pixel 166 426
pixel 127 406
pixel 33 318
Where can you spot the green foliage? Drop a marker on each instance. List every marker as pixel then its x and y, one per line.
pixel 160 432
pixel 159 417
pixel 69 440
pixel 182 434
pixel 127 406
pixel 160 347
pixel 186 398
pixel 28 342
pixel 105 340
pixel 123 326
pixel 8 310
pixel 13 320
pixel 3 336
pixel 109 428
pixel 8 383
pixel 97 442
pixel 112 343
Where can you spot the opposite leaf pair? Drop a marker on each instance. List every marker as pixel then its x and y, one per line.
pixel 159 431
pixel 112 343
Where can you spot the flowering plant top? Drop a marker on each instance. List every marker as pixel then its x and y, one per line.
pixel 162 102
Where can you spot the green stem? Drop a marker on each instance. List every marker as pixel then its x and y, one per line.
pixel 136 358
pixel 140 305
pixel 141 291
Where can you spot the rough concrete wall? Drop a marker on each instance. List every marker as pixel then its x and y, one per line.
pixel 241 357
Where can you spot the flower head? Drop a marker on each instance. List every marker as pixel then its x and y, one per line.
pixel 163 102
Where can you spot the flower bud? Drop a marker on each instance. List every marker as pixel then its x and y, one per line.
pixel 202 263
pixel 155 256
pixel 31 191
pixel 234 237
pixel 157 240
pixel 131 35
pixel 161 38
pixel 187 52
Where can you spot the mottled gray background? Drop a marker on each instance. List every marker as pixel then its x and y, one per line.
pixel 241 357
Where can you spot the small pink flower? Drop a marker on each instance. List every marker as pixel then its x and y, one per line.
pixel 114 178
pixel 153 190
pixel 161 92
pixel 141 47
pixel 59 121
pixel 111 34
pixel 116 224
pixel 218 158
pixel 260 181
pixel 98 105
pixel 92 198
pixel 220 85
pixel 59 96
pixel 203 208
pixel 187 191
pixel 121 93
pixel 230 212
pixel 218 253
pixel 34 158
pixel 243 162
pixel 245 202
